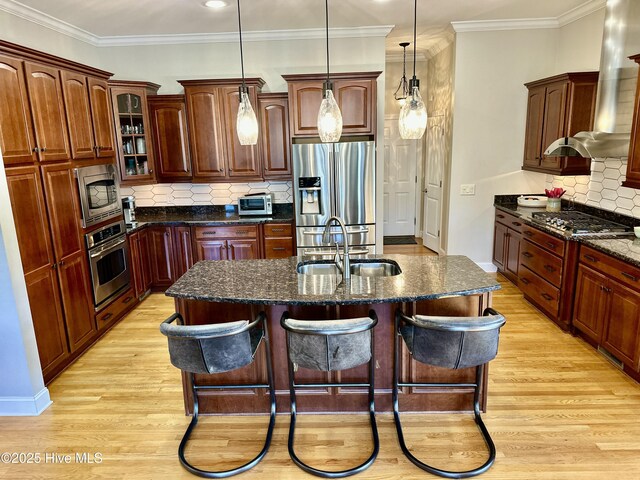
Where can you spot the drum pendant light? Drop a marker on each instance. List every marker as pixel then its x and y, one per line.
pixel 246 123
pixel 329 116
pixel 413 115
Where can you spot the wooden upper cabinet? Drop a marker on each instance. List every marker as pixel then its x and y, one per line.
pixel 212 109
pixel 47 111
pixel 102 118
pixel 273 109
pixel 17 141
pixel 204 109
pixel 557 107
pixel 76 103
pixel 168 117
pixel 355 94
pixel 135 153
pixel 633 164
pixel 243 160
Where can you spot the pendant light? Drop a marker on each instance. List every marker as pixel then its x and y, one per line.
pixel 246 123
pixel 329 116
pixel 402 92
pixel 413 115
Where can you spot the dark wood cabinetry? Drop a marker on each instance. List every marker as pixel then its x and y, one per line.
pixel 355 94
pixel 274 134
pixel 557 107
pixel 140 263
pixel 47 111
pixel 102 118
pixel 607 306
pixel 506 245
pixel 17 140
pixel 226 243
pixel 135 148
pixel 632 179
pixel 278 240
pixel 76 103
pixel 183 252
pixel 161 256
pixel 216 153
pixel 168 118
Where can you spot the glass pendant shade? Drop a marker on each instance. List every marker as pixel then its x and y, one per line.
pixel 246 123
pixel 329 119
pixel 413 117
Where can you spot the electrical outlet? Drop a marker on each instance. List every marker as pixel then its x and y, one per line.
pixel 468 189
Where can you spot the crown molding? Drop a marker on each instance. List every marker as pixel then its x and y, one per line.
pixel 566 18
pixel 35 16
pixel 581 11
pixel 249 36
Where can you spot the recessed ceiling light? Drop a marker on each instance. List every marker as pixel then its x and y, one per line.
pixel 215 4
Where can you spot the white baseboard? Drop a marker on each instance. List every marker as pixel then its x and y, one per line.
pixel 488 267
pixel 25 406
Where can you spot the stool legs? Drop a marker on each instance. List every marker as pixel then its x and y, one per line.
pixel 476 410
pixel 372 419
pixel 194 421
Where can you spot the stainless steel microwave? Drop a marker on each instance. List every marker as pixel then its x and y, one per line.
pixel 99 193
pixel 256 204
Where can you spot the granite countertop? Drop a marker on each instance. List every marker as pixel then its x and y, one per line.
pixel 623 247
pixel 207 215
pixel 276 282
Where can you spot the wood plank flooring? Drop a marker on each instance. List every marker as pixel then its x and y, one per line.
pixel 557 410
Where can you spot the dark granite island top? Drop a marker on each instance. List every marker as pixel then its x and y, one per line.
pixel 224 291
pixel 276 282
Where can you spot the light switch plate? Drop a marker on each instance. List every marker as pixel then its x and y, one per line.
pixel 468 189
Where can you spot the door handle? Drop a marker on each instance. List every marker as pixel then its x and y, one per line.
pixel 426 191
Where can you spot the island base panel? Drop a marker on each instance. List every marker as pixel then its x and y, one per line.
pixel 333 399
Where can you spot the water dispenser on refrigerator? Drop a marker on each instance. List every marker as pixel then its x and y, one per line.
pixel 310 201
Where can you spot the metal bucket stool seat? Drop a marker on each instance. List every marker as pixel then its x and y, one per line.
pixel 448 342
pixel 218 348
pixel 330 345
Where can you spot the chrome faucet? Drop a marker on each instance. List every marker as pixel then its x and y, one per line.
pixel 343 264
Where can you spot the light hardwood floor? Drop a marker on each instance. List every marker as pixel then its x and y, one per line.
pixel 557 410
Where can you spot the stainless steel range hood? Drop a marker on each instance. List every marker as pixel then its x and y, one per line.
pixel 617 82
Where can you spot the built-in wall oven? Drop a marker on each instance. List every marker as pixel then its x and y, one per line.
pixel 108 258
pixel 99 194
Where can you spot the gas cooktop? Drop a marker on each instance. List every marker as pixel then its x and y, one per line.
pixel 578 223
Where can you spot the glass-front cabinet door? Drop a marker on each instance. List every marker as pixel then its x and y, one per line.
pixel 135 154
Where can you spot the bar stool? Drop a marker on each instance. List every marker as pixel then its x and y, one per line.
pixel 448 342
pixel 330 345
pixel 218 348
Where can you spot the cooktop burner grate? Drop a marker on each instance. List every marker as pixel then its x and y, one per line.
pixel 579 223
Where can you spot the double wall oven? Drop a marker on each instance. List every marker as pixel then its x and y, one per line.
pixel 107 246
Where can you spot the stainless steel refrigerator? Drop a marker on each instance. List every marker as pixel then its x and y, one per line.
pixel 335 179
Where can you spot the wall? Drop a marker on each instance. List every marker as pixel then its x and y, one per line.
pixel 22 390
pixel 488 129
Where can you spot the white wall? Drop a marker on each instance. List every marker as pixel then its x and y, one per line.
pixel 579 44
pixel 22 390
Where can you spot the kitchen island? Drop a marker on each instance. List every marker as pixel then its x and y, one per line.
pixel 223 291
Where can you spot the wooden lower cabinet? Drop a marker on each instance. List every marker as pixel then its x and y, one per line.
pixel 140 264
pixel 607 309
pixel 210 250
pixel 278 240
pixel 226 243
pixel 506 245
pixel 161 256
pixel 243 249
pixel 183 250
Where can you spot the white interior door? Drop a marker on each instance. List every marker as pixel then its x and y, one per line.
pixel 400 159
pixel 432 193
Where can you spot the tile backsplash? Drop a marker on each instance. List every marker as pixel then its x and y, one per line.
pixel 603 188
pixel 185 194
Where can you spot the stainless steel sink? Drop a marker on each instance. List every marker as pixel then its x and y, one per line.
pixel 362 269
pixel 377 269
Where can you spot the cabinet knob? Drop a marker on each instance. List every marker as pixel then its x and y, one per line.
pixel 43 150
pixel 36 150
pixel 54 266
pixel 231 169
pixel 61 263
pixel 151 170
pixel 221 170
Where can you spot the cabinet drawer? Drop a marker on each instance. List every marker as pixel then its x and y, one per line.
pixel 509 220
pixel 545 264
pixel 277 230
pixel 543 294
pixel 278 247
pixel 114 310
pixel 544 240
pixel 239 231
pixel 625 273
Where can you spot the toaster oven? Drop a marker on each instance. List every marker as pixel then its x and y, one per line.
pixel 256 204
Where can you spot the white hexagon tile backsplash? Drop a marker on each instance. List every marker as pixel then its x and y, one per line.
pixel 603 188
pixel 186 194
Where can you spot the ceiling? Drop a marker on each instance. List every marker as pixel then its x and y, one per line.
pixel 115 18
